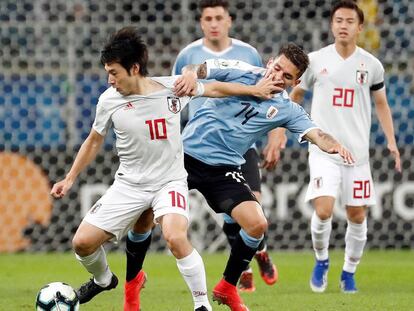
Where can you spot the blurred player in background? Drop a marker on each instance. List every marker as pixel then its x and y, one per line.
pixel 342 77
pixel 215 22
pixel 144 113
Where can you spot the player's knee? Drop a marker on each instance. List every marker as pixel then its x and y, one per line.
pixel 323 214
pixel 81 246
pixel 356 214
pixel 175 240
pixel 258 228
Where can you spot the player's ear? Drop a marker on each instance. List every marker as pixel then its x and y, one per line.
pixel 297 81
pixel 135 69
pixel 269 62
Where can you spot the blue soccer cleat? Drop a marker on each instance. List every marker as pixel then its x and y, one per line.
pixel 348 283
pixel 319 280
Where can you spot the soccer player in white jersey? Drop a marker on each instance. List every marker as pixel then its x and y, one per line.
pixel 145 116
pixel 342 77
pixel 215 22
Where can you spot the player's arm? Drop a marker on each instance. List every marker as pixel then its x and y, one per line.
pixel 186 85
pixel 87 153
pixel 297 94
pixel 385 119
pixel 328 144
pixel 265 89
pixel 276 141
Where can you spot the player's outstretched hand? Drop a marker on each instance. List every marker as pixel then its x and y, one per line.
pixel 345 154
pixel 186 84
pixel 60 189
pixel 396 154
pixel 266 88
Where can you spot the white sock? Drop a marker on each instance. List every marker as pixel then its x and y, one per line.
pixel 355 240
pixel 321 232
pixel 192 270
pixel 97 265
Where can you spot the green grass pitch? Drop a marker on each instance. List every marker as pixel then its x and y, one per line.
pixel 385 280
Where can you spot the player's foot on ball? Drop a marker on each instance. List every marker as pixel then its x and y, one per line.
pixel 268 270
pixel 90 289
pixel 226 293
pixel 348 283
pixel 319 279
pixel 246 282
pixel 132 290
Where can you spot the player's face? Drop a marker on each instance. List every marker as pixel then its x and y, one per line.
pixel 119 78
pixel 284 72
pixel 345 26
pixel 215 23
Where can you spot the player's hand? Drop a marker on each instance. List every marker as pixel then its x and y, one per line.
pixel 271 153
pixel 60 189
pixel 396 154
pixel 186 85
pixel 266 87
pixel 345 154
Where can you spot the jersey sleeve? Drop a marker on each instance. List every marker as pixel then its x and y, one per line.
pixel 226 71
pixel 257 60
pixel 180 62
pixel 102 120
pixel 299 122
pixel 378 77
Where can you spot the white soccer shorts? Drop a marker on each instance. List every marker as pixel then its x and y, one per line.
pixel 120 207
pixel 327 178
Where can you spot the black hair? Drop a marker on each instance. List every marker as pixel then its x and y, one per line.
pixel 296 55
pixel 348 4
pixel 126 48
pixel 213 3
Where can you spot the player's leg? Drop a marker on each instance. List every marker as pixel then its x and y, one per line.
pixel 355 240
pixel 268 271
pixel 358 193
pixel 250 216
pixel 325 178
pixel 224 189
pixel 107 220
pixel 89 251
pixel 138 241
pixel 171 211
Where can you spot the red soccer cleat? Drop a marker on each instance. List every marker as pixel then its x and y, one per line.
pixel 132 290
pixel 226 293
pixel 246 283
pixel 268 270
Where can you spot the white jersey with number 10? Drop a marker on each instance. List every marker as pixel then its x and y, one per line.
pixel 148 138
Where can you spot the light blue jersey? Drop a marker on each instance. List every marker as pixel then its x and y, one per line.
pixel 197 53
pixel 223 129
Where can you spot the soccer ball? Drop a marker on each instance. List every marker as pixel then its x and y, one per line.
pixel 57 296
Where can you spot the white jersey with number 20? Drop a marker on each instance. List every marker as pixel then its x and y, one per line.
pixel 341 104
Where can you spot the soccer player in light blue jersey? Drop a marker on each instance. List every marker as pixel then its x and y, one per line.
pixel 222 130
pixel 215 22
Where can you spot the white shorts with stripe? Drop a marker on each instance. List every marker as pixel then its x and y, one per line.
pixel 120 207
pixel 327 178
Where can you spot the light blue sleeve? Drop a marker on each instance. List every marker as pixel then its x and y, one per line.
pixel 225 75
pixel 299 122
pixel 180 62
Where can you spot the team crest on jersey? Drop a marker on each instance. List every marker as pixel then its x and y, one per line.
pixel 271 112
pixel 174 104
pixel 361 76
pixel 317 182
